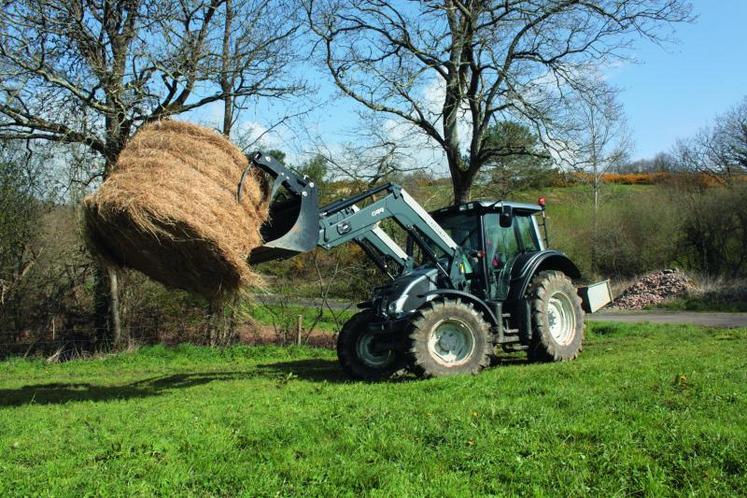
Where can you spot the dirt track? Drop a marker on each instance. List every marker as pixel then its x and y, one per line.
pixel 704 319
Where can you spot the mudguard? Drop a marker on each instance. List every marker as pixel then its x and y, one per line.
pixel 527 265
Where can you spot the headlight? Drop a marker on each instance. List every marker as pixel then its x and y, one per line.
pixel 392 308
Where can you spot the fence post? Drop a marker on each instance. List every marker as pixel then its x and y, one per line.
pixel 299 329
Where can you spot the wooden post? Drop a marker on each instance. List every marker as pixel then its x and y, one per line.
pixel 116 325
pixel 299 329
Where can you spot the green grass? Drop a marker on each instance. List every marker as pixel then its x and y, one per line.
pixel 274 314
pixel 646 410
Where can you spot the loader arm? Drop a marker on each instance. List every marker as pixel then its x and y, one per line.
pixel 342 221
pixel 296 224
pixel 382 250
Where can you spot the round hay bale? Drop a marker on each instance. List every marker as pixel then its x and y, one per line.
pixel 169 210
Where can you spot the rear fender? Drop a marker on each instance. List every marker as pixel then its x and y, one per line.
pixel 528 266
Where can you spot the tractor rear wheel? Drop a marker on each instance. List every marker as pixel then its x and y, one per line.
pixel 449 338
pixel 357 354
pixel 557 318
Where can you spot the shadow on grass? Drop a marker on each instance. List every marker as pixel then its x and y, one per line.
pixel 322 370
pixel 57 393
pixel 315 370
pixel 506 360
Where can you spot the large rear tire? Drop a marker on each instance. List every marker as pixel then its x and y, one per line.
pixel 357 356
pixel 557 318
pixel 449 338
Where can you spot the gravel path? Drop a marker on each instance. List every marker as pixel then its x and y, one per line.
pixel 705 319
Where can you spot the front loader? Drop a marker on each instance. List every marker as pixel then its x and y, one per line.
pixel 472 278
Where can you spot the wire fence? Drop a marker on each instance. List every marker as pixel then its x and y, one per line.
pixel 286 326
pixel 91 339
pixel 78 341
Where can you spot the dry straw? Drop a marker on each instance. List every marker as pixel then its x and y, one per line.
pixel 169 210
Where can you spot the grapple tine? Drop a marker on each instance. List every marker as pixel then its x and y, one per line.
pixel 292 226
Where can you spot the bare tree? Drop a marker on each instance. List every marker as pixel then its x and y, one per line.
pixel 382 149
pixel 20 212
pixel 257 48
pixel 450 68
pixel 601 142
pixel 91 72
pixel 719 151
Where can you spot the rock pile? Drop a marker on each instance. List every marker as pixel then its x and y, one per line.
pixel 653 289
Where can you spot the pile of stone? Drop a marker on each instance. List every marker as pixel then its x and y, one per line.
pixel 653 289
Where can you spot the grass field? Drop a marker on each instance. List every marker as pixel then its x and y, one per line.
pixel 646 410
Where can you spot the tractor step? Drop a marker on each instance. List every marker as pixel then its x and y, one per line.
pixel 513 348
pixel 510 336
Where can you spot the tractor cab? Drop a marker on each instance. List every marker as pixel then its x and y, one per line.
pixel 493 235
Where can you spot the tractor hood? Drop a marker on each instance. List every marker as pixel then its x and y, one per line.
pixel 405 293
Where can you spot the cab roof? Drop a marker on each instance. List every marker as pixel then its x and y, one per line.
pixel 489 206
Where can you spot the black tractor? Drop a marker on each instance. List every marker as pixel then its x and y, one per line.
pixel 472 278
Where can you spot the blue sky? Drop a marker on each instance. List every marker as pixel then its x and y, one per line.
pixel 680 88
pixel 670 93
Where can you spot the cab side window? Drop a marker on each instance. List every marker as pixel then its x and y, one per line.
pixel 500 243
pixel 526 232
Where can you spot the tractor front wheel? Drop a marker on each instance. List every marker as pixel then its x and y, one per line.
pixel 449 338
pixel 557 318
pixel 358 356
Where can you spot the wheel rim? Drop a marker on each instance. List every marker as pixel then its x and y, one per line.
pixel 371 358
pixel 451 343
pixel 561 318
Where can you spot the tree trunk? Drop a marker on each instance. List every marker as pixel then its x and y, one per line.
pixel 102 306
pixel 461 190
pixel 226 80
pixel 462 179
pixel 595 222
pixel 106 308
pixel 114 307
pixel 214 322
pixel 106 285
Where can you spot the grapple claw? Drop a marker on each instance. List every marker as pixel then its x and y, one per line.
pixel 292 226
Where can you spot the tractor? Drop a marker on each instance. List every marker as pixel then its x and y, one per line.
pixel 472 277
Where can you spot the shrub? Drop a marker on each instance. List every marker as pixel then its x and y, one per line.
pixel 638 236
pixel 714 229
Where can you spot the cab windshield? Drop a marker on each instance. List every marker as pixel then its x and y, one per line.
pixel 505 243
pixel 464 229
pixel 501 245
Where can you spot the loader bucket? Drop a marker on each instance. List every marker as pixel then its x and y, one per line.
pixel 292 226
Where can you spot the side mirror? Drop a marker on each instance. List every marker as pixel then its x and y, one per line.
pixel 506 217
